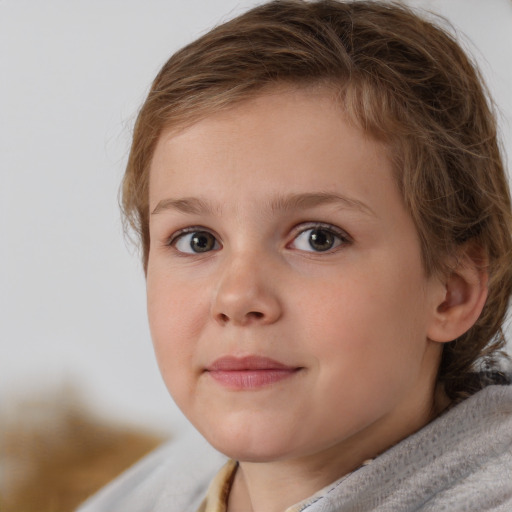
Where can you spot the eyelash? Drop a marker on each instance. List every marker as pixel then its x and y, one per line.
pixel 178 235
pixel 343 238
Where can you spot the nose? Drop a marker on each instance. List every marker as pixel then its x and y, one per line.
pixel 246 293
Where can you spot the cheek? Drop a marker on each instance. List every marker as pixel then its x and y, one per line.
pixel 175 320
pixel 174 306
pixel 370 321
pixel 368 344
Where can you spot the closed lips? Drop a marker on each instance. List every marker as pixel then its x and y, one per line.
pixel 247 363
pixel 249 373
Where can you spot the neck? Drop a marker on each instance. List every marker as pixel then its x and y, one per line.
pixel 274 486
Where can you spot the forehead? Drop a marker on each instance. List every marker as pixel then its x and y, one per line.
pixel 302 134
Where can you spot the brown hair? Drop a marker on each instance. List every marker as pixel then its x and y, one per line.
pixel 401 79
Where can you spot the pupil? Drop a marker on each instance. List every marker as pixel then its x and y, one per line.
pixel 321 240
pixel 202 242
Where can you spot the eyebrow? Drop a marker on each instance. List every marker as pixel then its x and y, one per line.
pixel 190 205
pixel 311 200
pixel 290 202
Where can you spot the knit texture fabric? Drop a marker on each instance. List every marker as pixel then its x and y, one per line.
pixel 460 462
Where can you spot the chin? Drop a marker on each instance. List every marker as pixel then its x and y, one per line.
pixel 242 447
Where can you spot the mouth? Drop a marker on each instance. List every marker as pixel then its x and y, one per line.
pixel 250 372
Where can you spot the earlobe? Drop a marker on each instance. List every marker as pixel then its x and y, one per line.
pixel 464 296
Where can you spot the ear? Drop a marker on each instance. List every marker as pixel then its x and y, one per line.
pixel 463 296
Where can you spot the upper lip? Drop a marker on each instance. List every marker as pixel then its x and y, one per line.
pixel 232 363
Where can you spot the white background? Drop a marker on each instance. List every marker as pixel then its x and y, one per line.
pixel 72 75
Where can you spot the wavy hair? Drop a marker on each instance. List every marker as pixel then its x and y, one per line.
pixel 401 79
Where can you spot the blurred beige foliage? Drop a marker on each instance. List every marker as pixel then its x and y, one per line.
pixel 54 453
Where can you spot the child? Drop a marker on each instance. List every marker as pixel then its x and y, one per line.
pixel 326 234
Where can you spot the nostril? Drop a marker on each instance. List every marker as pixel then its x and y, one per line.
pixel 251 315
pixel 223 318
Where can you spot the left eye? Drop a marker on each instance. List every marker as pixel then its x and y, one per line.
pixel 318 239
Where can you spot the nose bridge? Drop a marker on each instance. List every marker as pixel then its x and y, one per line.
pixel 245 291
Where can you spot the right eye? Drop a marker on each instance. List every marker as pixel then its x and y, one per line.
pixel 195 242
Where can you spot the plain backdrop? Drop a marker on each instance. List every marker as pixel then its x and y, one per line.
pixel 72 76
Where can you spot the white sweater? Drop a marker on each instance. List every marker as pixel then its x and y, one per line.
pixel 462 461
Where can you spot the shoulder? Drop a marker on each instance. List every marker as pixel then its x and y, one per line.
pixel 173 478
pixel 461 461
pixel 475 455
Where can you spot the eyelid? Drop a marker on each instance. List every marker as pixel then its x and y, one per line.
pixel 296 231
pixel 176 235
pixel 306 226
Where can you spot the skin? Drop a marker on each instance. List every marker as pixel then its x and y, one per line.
pixel 356 322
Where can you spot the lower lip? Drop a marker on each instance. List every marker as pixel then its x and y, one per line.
pixel 250 379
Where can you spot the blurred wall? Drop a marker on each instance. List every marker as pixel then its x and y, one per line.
pixel 72 75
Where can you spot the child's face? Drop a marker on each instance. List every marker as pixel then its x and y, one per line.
pixel 287 300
